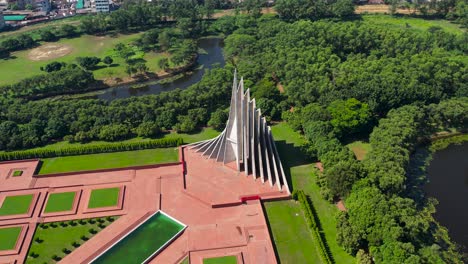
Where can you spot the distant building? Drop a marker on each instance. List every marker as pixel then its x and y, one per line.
pixel 2 21
pixel 100 6
pixel 42 5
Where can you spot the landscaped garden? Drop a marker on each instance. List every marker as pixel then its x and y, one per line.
pixel 14 205
pixel 108 160
pixel 104 197
pixel 221 260
pixel 298 246
pixel 53 241
pixel 8 237
pixel 59 202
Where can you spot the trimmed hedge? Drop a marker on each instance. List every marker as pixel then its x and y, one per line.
pixel 93 149
pixel 312 220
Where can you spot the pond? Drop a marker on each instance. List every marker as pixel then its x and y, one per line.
pixel 213 56
pixel 448 182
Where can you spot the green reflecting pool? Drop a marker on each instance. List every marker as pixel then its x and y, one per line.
pixel 141 243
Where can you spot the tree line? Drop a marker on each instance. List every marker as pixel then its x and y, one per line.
pixel 27 124
pixel 91 149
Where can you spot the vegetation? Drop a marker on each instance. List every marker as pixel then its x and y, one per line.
pixel 53 241
pixel 26 124
pixel 15 205
pixel 104 197
pixel 9 237
pixel 443 143
pixel 91 149
pixel 221 260
pixel 360 149
pixel 295 246
pixel 108 160
pixel 59 202
pixel 312 220
pixel 17 173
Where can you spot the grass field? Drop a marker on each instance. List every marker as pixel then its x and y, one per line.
pixel 221 260
pixel 360 149
pixel 14 205
pixel 108 160
pixel 20 66
pixel 8 237
pixel 282 214
pixel 413 23
pixel 291 235
pixel 52 240
pixel 104 197
pixel 59 202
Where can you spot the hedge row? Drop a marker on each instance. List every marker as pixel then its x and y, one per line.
pixel 311 216
pixel 92 149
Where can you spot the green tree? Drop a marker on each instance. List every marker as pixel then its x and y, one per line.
pixel 350 116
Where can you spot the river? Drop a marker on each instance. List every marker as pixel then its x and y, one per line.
pixel 448 182
pixel 213 56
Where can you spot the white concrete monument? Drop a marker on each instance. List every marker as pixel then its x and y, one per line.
pixel 246 140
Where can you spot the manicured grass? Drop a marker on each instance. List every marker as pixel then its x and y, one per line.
pixel 108 160
pixel 104 197
pixel 14 205
pixel 413 23
pixel 301 171
pixel 59 202
pixel 360 149
pixel 205 133
pixel 17 173
pixel 8 237
pixel 291 235
pixel 221 260
pixel 52 240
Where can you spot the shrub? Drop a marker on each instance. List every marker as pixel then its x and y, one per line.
pixel 93 149
pixel 82 222
pixel 75 244
pixel 63 224
pixel 54 225
pixel 72 223
pixel 110 219
pixel 38 240
pixel 91 221
pixel 84 238
pixel 66 250
pixel 56 258
pixel 92 231
pixel 102 226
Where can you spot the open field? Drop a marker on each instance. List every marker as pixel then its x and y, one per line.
pixel 205 133
pixel 104 197
pixel 8 237
pixel 13 205
pixel 360 149
pixel 414 23
pixel 27 63
pixel 75 20
pixel 108 160
pixel 301 173
pixel 54 239
pixel 59 202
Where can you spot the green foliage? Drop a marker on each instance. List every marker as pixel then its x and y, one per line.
pixel 301 9
pixel 88 63
pixel 91 149
pixel 350 116
pixel 312 220
pixel 218 119
pixel 70 79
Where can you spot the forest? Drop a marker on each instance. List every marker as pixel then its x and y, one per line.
pixel 332 80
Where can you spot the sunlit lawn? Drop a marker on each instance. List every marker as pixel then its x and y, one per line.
pixel 8 237
pixel 18 204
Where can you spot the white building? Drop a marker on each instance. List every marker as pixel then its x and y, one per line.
pixel 100 6
pixel 42 5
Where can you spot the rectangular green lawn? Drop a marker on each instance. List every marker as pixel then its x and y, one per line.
pixel 17 173
pixel 221 260
pixel 104 197
pixel 59 202
pixel 108 160
pixel 14 205
pixel 8 237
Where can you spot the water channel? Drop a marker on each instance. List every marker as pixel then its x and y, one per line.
pixel 448 182
pixel 212 56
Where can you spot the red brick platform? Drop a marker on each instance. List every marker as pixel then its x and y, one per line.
pixel 219 205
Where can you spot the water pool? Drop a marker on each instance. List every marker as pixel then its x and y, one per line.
pixel 143 242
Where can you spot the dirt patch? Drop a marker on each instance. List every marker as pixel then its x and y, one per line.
pixel 341 206
pixel 49 51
